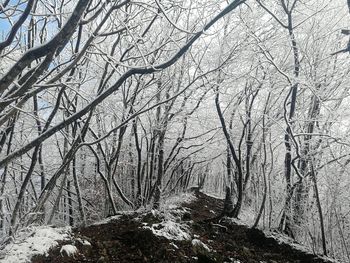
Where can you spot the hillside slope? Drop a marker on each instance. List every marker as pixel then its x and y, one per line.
pixel 183 234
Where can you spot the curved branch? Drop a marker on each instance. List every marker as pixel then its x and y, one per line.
pixel 113 88
pixel 57 42
pixel 17 25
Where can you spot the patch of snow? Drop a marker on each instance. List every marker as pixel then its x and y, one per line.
pixel 198 243
pixel 86 243
pixel 107 220
pixel 33 241
pixel 118 215
pixel 155 212
pixel 212 211
pixel 175 201
pixel 170 230
pixel 214 195
pixel 68 250
pixel 171 226
pixel 178 213
pixel 83 242
pixel 174 245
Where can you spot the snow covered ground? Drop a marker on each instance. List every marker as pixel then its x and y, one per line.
pixel 172 221
pixel 214 194
pixel 170 230
pixel 170 212
pixel 38 240
pixel 33 241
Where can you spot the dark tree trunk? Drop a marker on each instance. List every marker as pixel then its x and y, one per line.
pixel 237 208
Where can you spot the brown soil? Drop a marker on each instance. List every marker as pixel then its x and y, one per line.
pixel 124 240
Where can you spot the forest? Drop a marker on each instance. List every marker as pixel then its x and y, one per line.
pixel 114 105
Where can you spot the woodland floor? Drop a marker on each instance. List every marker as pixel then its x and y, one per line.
pixel 124 240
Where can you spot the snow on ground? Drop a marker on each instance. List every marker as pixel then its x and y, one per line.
pixel 33 241
pixel 68 250
pixel 214 194
pixel 197 243
pixel 167 203
pixel 170 230
pixel 107 220
pixel 175 201
pixel 170 213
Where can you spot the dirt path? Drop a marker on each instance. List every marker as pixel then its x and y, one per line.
pixel 236 242
pixel 125 240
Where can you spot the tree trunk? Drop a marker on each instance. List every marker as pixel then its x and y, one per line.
pixel 237 208
pixel 158 184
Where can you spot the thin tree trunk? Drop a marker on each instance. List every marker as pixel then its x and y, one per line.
pixel 238 205
pixel 22 191
pixel 77 190
pixel 139 167
pixel 263 165
pixel 56 204
pixel 70 204
pixel 9 132
pixel 158 184
pixel 285 223
pixel 319 208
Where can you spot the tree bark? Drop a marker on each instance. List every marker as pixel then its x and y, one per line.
pixel 237 208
